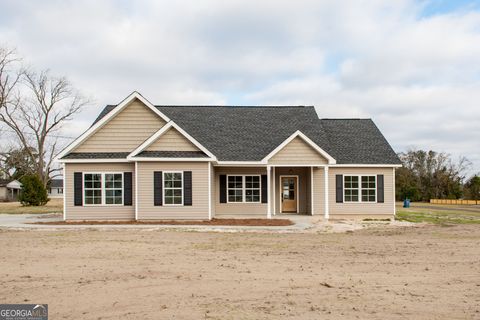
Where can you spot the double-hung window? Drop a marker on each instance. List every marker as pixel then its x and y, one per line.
pixel 235 188
pixel 173 188
pixel 103 188
pixel 243 189
pixel 369 190
pixel 351 188
pixel 92 188
pixel 252 188
pixel 113 188
pixel 360 188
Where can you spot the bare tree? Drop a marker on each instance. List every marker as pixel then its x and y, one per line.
pixel 34 106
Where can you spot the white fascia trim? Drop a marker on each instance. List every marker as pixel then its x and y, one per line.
pixel 159 133
pixel 93 160
pixel 239 163
pixel 366 165
pixel 110 115
pixel 298 133
pixel 141 159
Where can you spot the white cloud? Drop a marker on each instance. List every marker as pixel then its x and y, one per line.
pixel 417 76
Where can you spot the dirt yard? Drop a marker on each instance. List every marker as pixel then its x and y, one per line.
pixel 429 272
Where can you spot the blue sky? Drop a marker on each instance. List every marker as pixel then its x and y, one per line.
pixel 412 66
pixel 448 6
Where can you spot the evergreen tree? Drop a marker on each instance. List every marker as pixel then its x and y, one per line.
pixel 33 191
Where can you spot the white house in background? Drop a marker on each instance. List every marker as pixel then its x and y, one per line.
pixel 56 188
pixel 9 190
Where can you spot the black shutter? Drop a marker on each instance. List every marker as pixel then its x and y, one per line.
pixel 77 188
pixel 339 188
pixel 264 189
pixel 380 187
pixel 157 188
pixel 223 188
pixel 127 189
pixel 187 188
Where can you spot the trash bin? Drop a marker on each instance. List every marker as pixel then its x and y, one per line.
pixel 406 203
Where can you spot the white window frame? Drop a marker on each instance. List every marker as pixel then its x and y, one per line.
pixel 360 187
pixel 102 188
pixel 244 191
pixel 172 188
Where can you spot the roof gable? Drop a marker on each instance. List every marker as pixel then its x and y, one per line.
pixel 172 140
pixel 135 154
pixel 137 120
pixel 298 151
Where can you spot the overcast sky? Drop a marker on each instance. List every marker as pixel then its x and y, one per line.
pixel 412 66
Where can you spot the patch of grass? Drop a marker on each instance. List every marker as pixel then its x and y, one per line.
pixel 53 206
pixel 437 217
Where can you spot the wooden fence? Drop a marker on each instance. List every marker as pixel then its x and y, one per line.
pixel 454 201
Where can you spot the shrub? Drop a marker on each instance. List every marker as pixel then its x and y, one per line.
pixel 33 192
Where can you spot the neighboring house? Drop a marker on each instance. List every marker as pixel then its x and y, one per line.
pixel 9 190
pixel 140 161
pixel 55 189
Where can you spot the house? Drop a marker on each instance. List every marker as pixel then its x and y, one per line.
pixel 9 190
pixel 55 189
pixel 141 161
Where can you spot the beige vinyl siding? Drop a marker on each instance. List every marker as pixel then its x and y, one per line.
pixel 199 207
pixel 303 174
pixel 97 212
pixel 319 191
pixel 125 132
pixel 172 140
pixel 297 152
pixel 241 209
pixel 362 208
pixel 3 193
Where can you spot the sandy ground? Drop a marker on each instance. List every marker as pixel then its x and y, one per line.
pixel 430 272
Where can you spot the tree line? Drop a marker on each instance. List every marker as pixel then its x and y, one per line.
pixel 429 175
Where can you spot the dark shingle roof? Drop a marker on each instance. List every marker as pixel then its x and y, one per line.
pixel 96 155
pixel 4 182
pixel 249 133
pixel 173 154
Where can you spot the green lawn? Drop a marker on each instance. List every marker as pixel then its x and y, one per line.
pixel 53 206
pixel 439 214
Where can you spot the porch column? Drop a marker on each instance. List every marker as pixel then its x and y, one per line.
pixel 136 190
pixel 311 192
pixel 274 192
pixel 269 192
pixel 327 209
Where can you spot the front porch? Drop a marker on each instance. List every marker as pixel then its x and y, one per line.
pixel 272 191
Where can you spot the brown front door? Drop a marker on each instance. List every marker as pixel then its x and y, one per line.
pixel 289 194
